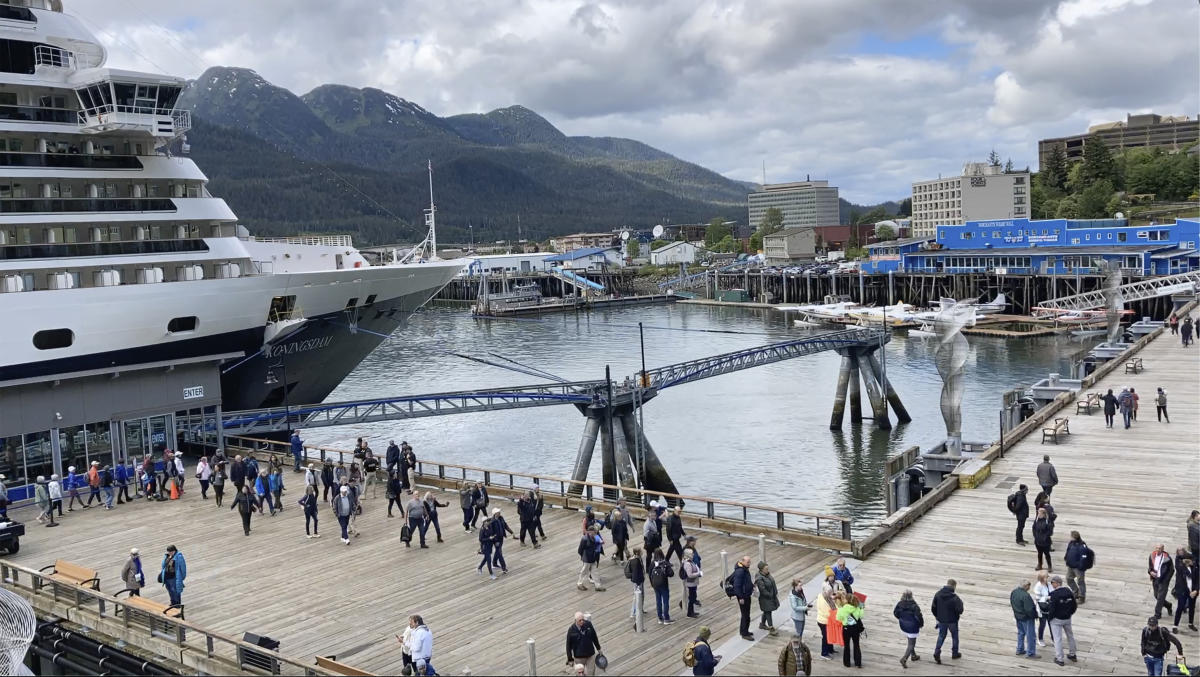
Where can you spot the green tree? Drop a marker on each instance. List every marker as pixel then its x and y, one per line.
pixel 716 231
pixel 1115 204
pixel 905 207
pixel 1098 164
pixel 727 244
pixel 756 239
pixel 1055 172
pixel 875 215
pixel 1093 201
pixel 1067 208
pixel 994 158
pixel 1008 166
pixel 885 232
pixel 658 244
pixel 633 247
pixel 772 221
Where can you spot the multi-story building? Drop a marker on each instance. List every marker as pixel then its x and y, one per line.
pixel 1172 132
pixel 790 245
pixel 804 203
pixel 566 243
pixel 982 192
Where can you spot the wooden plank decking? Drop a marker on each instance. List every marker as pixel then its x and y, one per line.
pixel 320 597
pixel 1123 490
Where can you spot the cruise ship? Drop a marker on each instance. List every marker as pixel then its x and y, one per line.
pixel 113 253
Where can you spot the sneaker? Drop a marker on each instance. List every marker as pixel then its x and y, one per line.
pixel 761 626
pixel 957 655
pixel 580 586
pixel 537 546
pixel 493 577
pixel 316 535
pixel 748 638
pixel 660 621
pixel 308 536
pixel 1034 655
pixel 828 658
pixel 1059 663
pixel 1041 643
pixel 668 621
pixel 1072 657
pixel 693 615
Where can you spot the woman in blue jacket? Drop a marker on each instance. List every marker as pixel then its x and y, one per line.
pixel 172 573
pixel 911 622
pixel 262 489
pixel 275 484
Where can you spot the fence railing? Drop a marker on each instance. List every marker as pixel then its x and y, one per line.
pixel 130 617
pixel 796 526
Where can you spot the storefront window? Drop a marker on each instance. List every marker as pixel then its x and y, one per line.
pixel 39 458
pixel 10 460
pixel 72 446
pixel 99 443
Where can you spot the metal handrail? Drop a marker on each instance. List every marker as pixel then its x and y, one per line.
pixel 595 490
pixel 166 627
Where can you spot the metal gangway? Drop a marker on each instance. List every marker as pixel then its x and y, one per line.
pixel 1133 291
pixel 695 279
pixel 579 281
pixel 579 393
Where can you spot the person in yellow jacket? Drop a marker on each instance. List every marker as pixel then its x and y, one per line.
pixel 824 607
pixel 850 616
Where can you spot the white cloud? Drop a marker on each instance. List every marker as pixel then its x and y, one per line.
pixel 728 84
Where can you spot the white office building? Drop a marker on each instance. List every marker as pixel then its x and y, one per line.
pixel 981 193
pixel 804 204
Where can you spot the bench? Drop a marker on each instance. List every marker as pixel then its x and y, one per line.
pixel 1061 427
pixel 154 616
pixel 69 573
pixel 329 663
pixel 1134 365
pixel 1085 405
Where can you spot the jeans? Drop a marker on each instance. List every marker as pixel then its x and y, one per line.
pixel 943 628
pixel 417 527
pixel 826 647
pixel 344 522
pixel 108 497
pixel 1057 628
pixel 911 650
pixel 639 599
pixel 1185 603
pixel 1154 665
pixel 1025 634
pixel 297 455
pixel 437 528
pixel 1074 575
pixel 1043 621
pixel 468 513
pixel 1047 488
pixel 691 597
pixel 744 624
pixel 487 559
pixel 204 488
pixel 498 556
pixel 1126 415
pixel 662 602
pixel 799 625
pixel 174 592
pixel 851 638
pixel 313 518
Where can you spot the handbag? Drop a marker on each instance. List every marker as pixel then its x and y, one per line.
pixel 601 661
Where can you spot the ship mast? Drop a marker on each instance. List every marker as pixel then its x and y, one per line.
pixel 431 217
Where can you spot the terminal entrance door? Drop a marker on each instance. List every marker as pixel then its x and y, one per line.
pixel 141 436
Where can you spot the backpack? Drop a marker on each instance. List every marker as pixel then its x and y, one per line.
pixel 1012 503
pixel 629 569
pixel 689 653
pixel 729 591
pixel 682 572
pixel 1088 559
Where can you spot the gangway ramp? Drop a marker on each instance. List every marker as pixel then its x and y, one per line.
pixel 1133 291
pixel 576 280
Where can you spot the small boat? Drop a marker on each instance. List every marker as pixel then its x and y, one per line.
pixel 924 331
pixel 1083 333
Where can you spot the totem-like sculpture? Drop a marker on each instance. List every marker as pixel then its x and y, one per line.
pixel 951 358
pixel 1112 300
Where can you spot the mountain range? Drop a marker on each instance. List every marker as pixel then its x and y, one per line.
pixel 342 159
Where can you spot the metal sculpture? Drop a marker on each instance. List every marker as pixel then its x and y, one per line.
pixel 17 625
pixel 1113 303
pixel 950 355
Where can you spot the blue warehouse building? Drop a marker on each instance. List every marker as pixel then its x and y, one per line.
pixel 1050 247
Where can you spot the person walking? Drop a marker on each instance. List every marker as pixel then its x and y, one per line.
pixel 703 660
pixel 466 502
pixel 1062 608
pixel 73 484
pixel 583 644
pixel 93 483
pixel 431 514
pixel 675 533
pixel 1110 408
pixel 1041 599
pixel 1025 612
pixel 527 518
pixel 327 479
pixel 1125 403
pixel 1161 569
pixel 418 521
pixel 1160 404
pixel 1018 505
pixel 825 606
pixel 799 606
pixel 395 493
pixel 486 535
pixel 217 480
pixel 651 537
pixel 635 571
pixel 1185 332
pixel 54 488
pixel 245 504
pixel 908 613
pixel 237 473
pixel 106 485
pixel 661 573
pixel 1043 530
pixel 204 475
pixel 539 505
pixel 743 588
pixel 262 491
pixel 297 448
pixel 132 574
pixel 850 615
pixel 1136 400
pixel 589 556
pixel 1079 558
pixel 275 484
pixel 121 480
pixel 691 580
pixel 479 501
pixel 420 646
pixel 41 496
pixel 1047 475
pixel 392 457
pixel 1187 577
pixel 501 531
pixel 310 503
pixel 172 574
pixel 768 597
pixel 947 608
pixel 179 469
pixel 343 509
pixel 841 573
pixel 1156 641
pixel 619 526
pixel 1173 323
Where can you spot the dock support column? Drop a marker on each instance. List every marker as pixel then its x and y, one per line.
pixel 656 478
pixel 855 391
pixel 839 398
pixel 892 396
pixel 583 459
pixel 878 407
pixel 623 446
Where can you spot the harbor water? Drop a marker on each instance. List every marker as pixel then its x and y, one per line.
pixel 759 436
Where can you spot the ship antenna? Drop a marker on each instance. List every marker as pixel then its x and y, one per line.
pixel 431 218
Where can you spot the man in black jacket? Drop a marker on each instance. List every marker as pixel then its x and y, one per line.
pixel 1187 576
pixel 947 609
pixel 1156 641
pixel 582 644
pixel 1062 608
pixel 675 533
pixel 1161 569
pixel 539 505
pixel 525 512
pixel 1020 509
pixel 743 590
pixel 392 457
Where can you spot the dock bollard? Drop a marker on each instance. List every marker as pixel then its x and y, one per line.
pixel 531 647
pixel 762 547
pixel 639 602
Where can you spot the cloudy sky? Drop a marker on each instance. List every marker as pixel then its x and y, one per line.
pixel 871 94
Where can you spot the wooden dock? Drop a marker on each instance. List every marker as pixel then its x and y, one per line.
pixel 563 305
pixel 320 597
pixel 1124 490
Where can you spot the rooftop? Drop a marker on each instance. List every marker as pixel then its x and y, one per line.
pixel 579 253
pixel 789 231
pixel 1051 251
pixel 899 243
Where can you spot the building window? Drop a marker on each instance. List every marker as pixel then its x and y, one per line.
pixel 39 459
pixel 1122 237
pixel 178 324
pixel 49 339
pixel 995 233
pixel 967 236
pixel 1074 240
pixel 1087 236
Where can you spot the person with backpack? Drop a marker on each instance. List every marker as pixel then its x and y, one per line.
pixel 1024 612
pixel 1047 475
pixel 661 572
pixel 908 613
pixel 1110 408
pixel 947 608
pixel 1079 558
pixel 1160 404
pixel 1156 641
pixel 479 502
pixel 1125 403
pixel 106 485
pixel 850 615
pixel 768 597
pixel 1043 530
pixel 1161 570
pixel 698 655
pixel 1018 505
pixel 1062 608
pixel 486 543
pixel 590 558
pixel 690 572
pixel 635 571
pixel 395 494
pixel 742 586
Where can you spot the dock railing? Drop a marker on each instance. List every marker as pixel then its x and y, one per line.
pixel 813 529
pixel 201 649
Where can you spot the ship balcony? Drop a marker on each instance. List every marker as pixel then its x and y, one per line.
pixel 39 114
pixel 88 204
pixel 49 56
pixel 163 122
pixel 73 160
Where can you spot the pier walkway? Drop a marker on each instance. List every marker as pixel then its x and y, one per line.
pixel 1124 490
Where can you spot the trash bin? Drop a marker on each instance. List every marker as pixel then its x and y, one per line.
pixel 256 659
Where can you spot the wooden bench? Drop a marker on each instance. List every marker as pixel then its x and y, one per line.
pixel 329 663
pixel 69 573
pixel 1085 405
pixel 1061 427
pixel 154 616
pixel 1134 365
